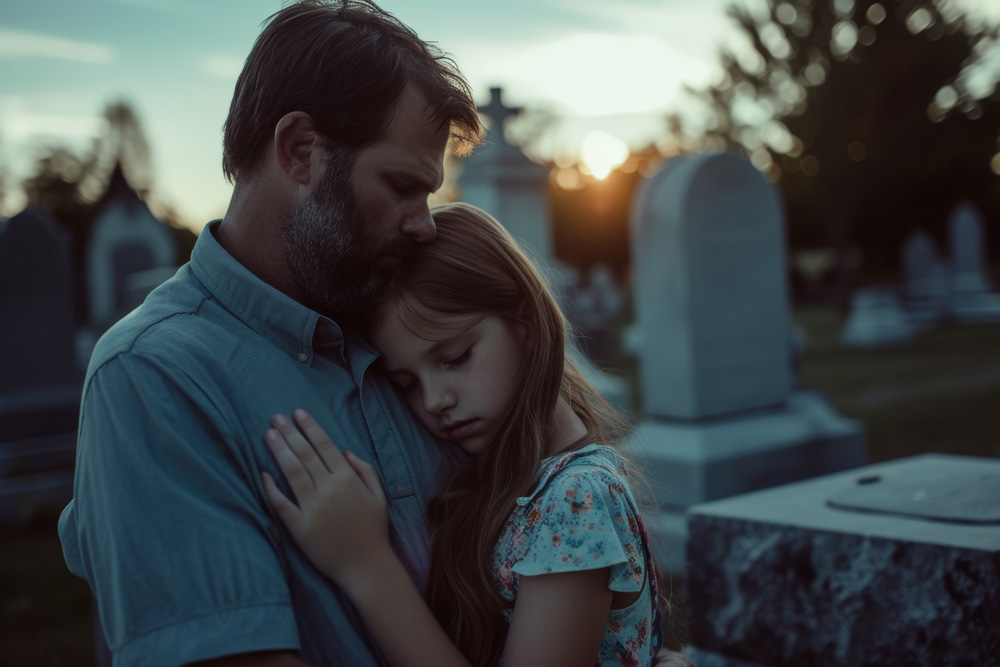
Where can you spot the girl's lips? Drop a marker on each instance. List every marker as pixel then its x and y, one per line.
pixel 461 429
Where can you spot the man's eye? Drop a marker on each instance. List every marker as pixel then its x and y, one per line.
pixel 460 359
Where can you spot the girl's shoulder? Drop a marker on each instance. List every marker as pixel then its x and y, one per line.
pixel 594 460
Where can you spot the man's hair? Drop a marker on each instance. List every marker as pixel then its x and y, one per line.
pixel 343 63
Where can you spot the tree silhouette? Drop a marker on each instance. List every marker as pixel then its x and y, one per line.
pixel 69 186
pixel 874 118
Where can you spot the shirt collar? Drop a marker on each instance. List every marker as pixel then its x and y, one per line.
pixel 299 331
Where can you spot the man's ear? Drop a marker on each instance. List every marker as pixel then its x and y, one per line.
pixel 297 146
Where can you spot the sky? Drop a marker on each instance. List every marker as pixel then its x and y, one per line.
pixel 618 67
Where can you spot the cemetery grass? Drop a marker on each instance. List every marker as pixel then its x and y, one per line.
pixel 939 394
pixel 44 610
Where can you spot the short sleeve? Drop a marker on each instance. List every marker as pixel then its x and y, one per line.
pixel 582 519
pixel 166 525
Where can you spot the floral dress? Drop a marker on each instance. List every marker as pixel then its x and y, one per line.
pixel 581 516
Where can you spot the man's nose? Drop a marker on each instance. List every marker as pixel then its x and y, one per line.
pixel 420 225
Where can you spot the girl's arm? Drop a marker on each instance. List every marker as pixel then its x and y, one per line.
pixel 341 523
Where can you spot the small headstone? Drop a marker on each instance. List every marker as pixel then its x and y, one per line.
pixel 927 282
pixel 972 300
pixel 876 320
pixel 126 239
pixel 597 307
pixel 781 577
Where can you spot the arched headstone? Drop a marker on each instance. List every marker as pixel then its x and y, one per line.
pixel 710 290
pixel 720 413
pixel 126 239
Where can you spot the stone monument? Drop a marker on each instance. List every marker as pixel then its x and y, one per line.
pixel 972 300
pixel 39 380
pixel 890 564
pixel 926 281
pixel 720 413
pixel 502 181
pixel 876 320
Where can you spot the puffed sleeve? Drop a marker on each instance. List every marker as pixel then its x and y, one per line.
pixel 171 535
pixel 583 518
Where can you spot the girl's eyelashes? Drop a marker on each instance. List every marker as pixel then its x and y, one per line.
pixel 403 386
pixel 460 359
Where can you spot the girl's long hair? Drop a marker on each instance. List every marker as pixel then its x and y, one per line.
pixel 474 267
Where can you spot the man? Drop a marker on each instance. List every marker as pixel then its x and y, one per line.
pixel 335 138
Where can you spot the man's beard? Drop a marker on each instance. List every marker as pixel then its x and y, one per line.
pixel 331 246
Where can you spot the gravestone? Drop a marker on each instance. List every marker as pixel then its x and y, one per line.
pixel 125 239
pixel 720 412
pixel 502 181
pixel 972 301
pixel 598 306
pixel 890 564
pixel 926 281
pixel 876 320
pixel 39 381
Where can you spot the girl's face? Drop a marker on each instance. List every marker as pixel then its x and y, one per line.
pixel 458 387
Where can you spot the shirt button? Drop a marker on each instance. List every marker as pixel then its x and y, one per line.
pixel 303 357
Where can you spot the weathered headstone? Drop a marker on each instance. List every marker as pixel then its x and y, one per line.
pixel 720 413
pixel 876 320
pixel 598 306
pixel 39 380
pixel 126 239
pixel 971 301
pixel 502 181
pixel 893 563
pixel 926 281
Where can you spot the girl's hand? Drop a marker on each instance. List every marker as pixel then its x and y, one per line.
pixel 341 520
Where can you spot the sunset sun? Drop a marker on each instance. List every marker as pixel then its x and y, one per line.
pixel 602 152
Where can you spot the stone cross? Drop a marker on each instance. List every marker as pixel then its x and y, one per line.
pixel 498 113
pixel 502 181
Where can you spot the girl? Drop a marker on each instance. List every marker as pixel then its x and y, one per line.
pixel 539 555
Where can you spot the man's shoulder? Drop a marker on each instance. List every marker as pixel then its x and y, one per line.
pixel 173 323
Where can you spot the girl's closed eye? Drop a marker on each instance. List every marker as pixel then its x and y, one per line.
pixel 460 359
pixel 403 384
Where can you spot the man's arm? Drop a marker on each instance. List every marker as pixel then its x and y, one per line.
pixel 165 526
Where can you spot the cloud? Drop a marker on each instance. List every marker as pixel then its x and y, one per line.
pixel 19 125
pixel 17 44
pixel 221 66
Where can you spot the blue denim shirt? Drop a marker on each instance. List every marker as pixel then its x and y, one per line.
pixel 169 523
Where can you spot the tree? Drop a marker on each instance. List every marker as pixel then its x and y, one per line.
pixel 874 119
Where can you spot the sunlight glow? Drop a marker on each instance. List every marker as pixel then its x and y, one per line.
pixel 602 152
